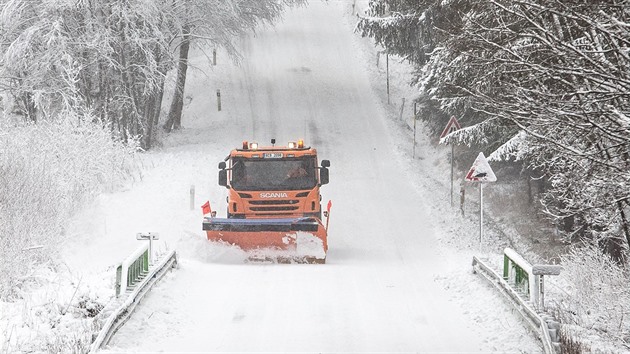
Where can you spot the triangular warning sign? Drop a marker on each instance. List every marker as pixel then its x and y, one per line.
pixel 451 126
pixel 481 171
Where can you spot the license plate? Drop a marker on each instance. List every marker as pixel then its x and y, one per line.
pixel 272 155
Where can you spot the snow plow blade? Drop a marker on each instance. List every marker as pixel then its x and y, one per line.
pixel 301 240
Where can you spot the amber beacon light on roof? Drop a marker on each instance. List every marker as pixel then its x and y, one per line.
pixel 291 145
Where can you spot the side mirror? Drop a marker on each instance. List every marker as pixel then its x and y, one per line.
pixel 325 163
pixel 222 165
pixel 223 177
pixel 323 175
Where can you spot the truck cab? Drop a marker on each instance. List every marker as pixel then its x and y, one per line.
pixel 273 181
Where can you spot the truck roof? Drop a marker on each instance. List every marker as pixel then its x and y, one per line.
pixel 252 150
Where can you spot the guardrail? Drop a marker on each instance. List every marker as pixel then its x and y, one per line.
pixel 139 289
pixel 132 270
pixel 527 276
pixel 531 317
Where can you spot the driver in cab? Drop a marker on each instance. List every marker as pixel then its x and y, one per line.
pixel 296 172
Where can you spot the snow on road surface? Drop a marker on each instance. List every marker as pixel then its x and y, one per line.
pixel 389 284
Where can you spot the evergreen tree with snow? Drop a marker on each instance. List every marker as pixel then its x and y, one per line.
pixel 546 82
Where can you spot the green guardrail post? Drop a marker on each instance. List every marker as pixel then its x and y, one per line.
pixel 129 275
pixel 134 273
pixel 506 267
pixel 136 269
pixel 118 280
pixel 145 261
pixel 520 276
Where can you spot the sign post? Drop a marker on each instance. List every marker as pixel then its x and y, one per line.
pixel 148 236
pixel 451 126
pixel 387 63
pixel 415 116
pixel 481 172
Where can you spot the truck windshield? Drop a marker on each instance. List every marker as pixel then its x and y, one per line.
pixel 273 174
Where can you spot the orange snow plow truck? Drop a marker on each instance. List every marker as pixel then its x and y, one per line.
pixel 273 203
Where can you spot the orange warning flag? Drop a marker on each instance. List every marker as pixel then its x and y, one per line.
pixel 206 208
pixel 328 213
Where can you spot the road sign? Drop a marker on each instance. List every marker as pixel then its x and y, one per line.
pixel 481 171
pixel 451 126
pixel 147 236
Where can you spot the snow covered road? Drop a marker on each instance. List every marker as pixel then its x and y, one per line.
pixel 381 289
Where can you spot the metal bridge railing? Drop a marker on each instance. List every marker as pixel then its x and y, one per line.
pixel 522 286
pixel 141 281
pixel 132 270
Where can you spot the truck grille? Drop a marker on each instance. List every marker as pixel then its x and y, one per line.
pixel 273 205
pixel 273 202
pixel 277 208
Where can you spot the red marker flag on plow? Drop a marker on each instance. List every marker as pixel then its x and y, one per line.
pixel 328 213
pixel 205 209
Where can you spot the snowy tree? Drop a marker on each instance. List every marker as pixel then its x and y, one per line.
pixel 560 73
pixel 553 72
pixel 215 23
pixel 111 58
pixel 36 65
pixel 108 57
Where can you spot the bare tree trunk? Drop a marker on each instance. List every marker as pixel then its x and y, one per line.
pixel 626 231
pixel 30 111
pixel 149 115
pixel 154 108
pixel 174 120
pixel 156 113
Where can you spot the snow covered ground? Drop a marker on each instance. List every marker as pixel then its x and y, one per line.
pixel 398 274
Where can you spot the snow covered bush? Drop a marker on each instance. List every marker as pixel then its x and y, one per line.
pixel 595 303
pixel 47 171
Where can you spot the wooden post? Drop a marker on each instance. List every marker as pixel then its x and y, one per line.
pixel 214 56
pixel 415 113
pixel 387 60
pixel 402 108
pixel 219 100
pixel 462 198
